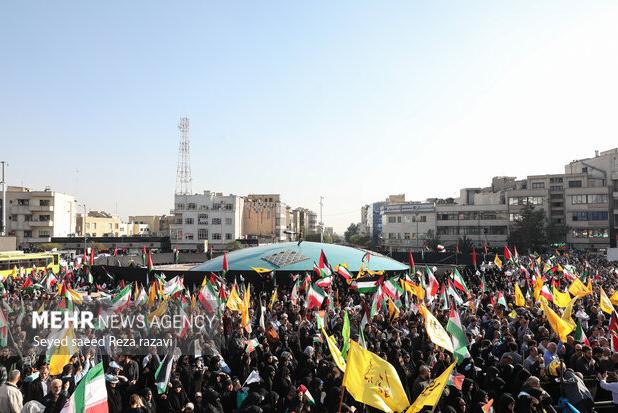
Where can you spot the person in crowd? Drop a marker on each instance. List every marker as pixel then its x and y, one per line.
pixel 11 398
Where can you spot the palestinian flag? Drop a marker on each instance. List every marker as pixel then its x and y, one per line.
pixel 459 282
pixel 149 263
pixel 90 395
pixel 411 261
pixel 324 267
pixel 458 337
pixel 208 297
pixel 365 286
pixel 304 391
pixel 443 298
pixel 483 285
pixel 501 300
pixel 251 345
pixel 315 297
pixel 451 291
pixel 456 380
pixel 507 253
pixel 343 271
pixel 121 300
pixel 579 334
pixel 163 372
pixel 144 261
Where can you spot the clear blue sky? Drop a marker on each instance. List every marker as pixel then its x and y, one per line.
pixel 352 100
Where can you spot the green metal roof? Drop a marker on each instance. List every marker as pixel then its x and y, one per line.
pixel 290 256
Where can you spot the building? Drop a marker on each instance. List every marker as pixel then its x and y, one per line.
pixel 304 221
pixel 374 219
pixel 156 225
pixel 363 228
pixel 265 217
pixel 100 224
pixel 405 225
pixel 33 217
pixel 206 220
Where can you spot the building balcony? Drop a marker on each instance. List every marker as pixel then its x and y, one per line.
pixel 41 208
pixel 20 209
pixel 49 223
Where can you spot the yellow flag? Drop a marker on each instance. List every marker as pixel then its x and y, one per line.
pixel 393 311
pixel 560 327
pixel 520 301
pixel 62 353
pixel 578 289
pixel 498 262
pixel 435 331
pixel 374 381
pixel 561 299
pixel 161 309
pixel 244 319
pixel 234 301
pixel 568 311
pixel 273 299
pixel 260 270
pixel 605 302
pixel 513 314
pixel 430 396
pixel 538 286
pixel 152 295
pixel 334 351
pixel 589 284
pixel 614 298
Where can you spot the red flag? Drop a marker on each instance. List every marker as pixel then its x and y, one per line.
pixel 411 261
pixel 473 256
pixel 485 246
pixel 507 253
pixel 85 257
pixel 149 261
pixel 225 264
pixel 27 283
pixel 91 256
pixel 116 252
pixel 213 279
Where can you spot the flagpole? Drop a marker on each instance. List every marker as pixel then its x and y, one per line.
pixel 341 398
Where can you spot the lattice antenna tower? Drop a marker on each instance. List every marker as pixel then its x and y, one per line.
pixel 183 170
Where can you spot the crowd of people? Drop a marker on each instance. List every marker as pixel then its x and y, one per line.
pixel 273 356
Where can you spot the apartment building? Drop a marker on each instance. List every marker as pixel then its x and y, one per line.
pixel 266 218
pixel 100 224
pixel 34 217
pixel 206 220
pixel 405 224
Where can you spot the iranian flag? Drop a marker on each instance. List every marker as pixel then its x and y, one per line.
pixel 392 288
pixel 315 297
pixel 376 302
pixel 208 297
pixel 142 297
pixel 294 295
pixel 121 300
pixel 304 391
pixel 547 294
pixel 579 335
pixel 432 288
pixel 451 291
pixel 458 337
pixel 173 286
pixel 90 395
pixel 325 282
pixel 343 271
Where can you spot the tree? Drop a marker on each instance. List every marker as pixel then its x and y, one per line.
pixel 353 229
pixel 432 240
pixel 530 232
pixel 315 237
pixel 556 233
pixel 233 245
pixel 465 245
pixel 361 240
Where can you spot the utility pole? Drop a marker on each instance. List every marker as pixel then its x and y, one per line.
pixel 3 232
pixel 321 220
pixel 84 225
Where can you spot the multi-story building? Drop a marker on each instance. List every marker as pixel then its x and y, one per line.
pixel 33 217
pixel 405 224
pixel 374 220
pixel 304 221
pixel 364 222
pixel 265 218
pixel 206 220
pixel 155 225
pixel 100 224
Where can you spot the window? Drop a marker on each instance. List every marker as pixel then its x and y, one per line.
pixel 589 232
pixel 27 218
pixel 216 221
pixel 202 234
pixel 514 217
pixel 180 206
pixel 556 204
pixel 423 218
pixel 27 234
pixel 406 235
pixel 399 219
pixel 23 202
pixel 578 199
pixel 229 207
pixel 555 188
pixel 228 221
pixel 556 196
pixel 392 220
pixel 43 233
pixel 597 199
pixel 555 180
pixel 575 184
pixel 94 225
pixel 189 236
pixel 228 236
pixel 189 221
pixel 391 235
pixel 538 185
pixel 178 221
pixel 591 216
pixel 44 218
pixel 216 235
pixel 44 202
pixel 191 205
pixel 117 226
